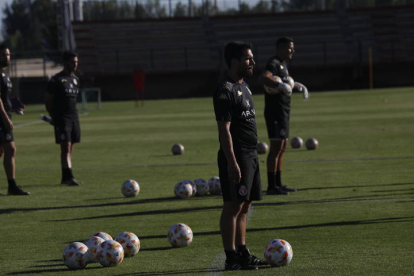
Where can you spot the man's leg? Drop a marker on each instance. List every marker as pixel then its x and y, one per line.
pixel 274 162
pixel 279 163
pixel 9 164
pixel 66 163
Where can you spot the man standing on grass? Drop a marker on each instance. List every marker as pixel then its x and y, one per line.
pixel 6 125
pixel 61 98
pixel 237 158
pixel 277 112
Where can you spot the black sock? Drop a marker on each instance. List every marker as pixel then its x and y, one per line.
pixel 66 174
pixel 271 180
pixel 242 249
pixel 12 183
pixel 278 178
pixel 230 254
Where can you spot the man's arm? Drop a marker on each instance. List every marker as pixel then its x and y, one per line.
pixel 49 103
pixel 4 117
pixel 266 78
pixel 233 168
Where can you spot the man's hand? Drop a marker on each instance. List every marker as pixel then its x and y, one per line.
pixel 301 88
pixel 234 173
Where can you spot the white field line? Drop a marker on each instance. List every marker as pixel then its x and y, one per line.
pixel 217 264
pixel 40 121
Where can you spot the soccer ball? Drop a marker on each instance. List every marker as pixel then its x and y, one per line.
pixel 214 185
pixel 76 255
pixel 93 242
pixel 311 144
pixel 103 235
pixel 129 242
pixel 290 81
pixel 278 252
pixel 296 142
pixel 110 253
pixel 180 235
pixel 272 90
pixel 183 189
pixel 262 147
pixel 177 149
pixel 130 188
pixel 202 187
pixel 193 185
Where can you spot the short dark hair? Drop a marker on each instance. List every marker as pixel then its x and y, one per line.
pixel 67 55
pixel 283 40
pixel 234 50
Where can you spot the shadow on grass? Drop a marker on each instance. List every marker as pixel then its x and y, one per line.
pixel 51 271
pixel 175 272
pixel 355 186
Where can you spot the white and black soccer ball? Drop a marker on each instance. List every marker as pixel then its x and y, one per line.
pixel 193 185
pixel 177 149
pixel 130 188
pixel 202 186
pixel 103 235
pixel 110 253
pixel 278 252
pixel 262 147
pixel 76 255
pixel 214 185
pixel 271 90
pixel 129 242
pixel 180 235
pixel 183 190
pixel 312 144
pixel 296 142
pixel 93 243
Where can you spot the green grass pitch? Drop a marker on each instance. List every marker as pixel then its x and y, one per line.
pixel 353 215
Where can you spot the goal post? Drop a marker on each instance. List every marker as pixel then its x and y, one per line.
pixel 91 98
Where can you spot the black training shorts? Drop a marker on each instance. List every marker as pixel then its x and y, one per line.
pixel 249 187
pixel 278 127
pixel 67 130
pixel 6 136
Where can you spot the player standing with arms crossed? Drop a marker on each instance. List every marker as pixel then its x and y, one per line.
pixel 277 112
pixel 237 158
pixel 6 124
pixel 61 98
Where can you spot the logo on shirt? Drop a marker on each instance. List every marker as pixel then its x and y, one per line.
pixel 64 80
pixel 222 97
pixel 239 93
pixel 281 67
pixel 3 75
pixel 243 190
pixel 248 103
pixel 75 82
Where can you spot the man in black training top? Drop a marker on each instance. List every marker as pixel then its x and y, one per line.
pixel 277 112
pixel 237 158
pixel 6 125
pixel 61 97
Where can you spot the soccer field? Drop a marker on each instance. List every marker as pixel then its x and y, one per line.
pixel 353 213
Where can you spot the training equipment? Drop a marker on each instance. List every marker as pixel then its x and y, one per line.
pixel 46 119
pixel 296 142
pixel 103 235
pixel 262 147
pixel 311 144
pixel 214 185
pixel 91 95
pixel 130 188
pixel 278 252
pixel 76 255
pixel 180 235
pixel 290 81
pixel 129 242
pixel 272 90
pixel 177 149
pixel 183 189
pixel 110 253
pixel 202 187
pixel 93 243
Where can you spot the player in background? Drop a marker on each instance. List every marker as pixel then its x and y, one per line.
pixel 277 112
pixel 61 98
pixel 237 158
pixel 6 125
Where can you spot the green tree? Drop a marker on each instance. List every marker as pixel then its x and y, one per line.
pixel 180 10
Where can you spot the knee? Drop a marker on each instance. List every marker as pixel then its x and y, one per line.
pixel 10 151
